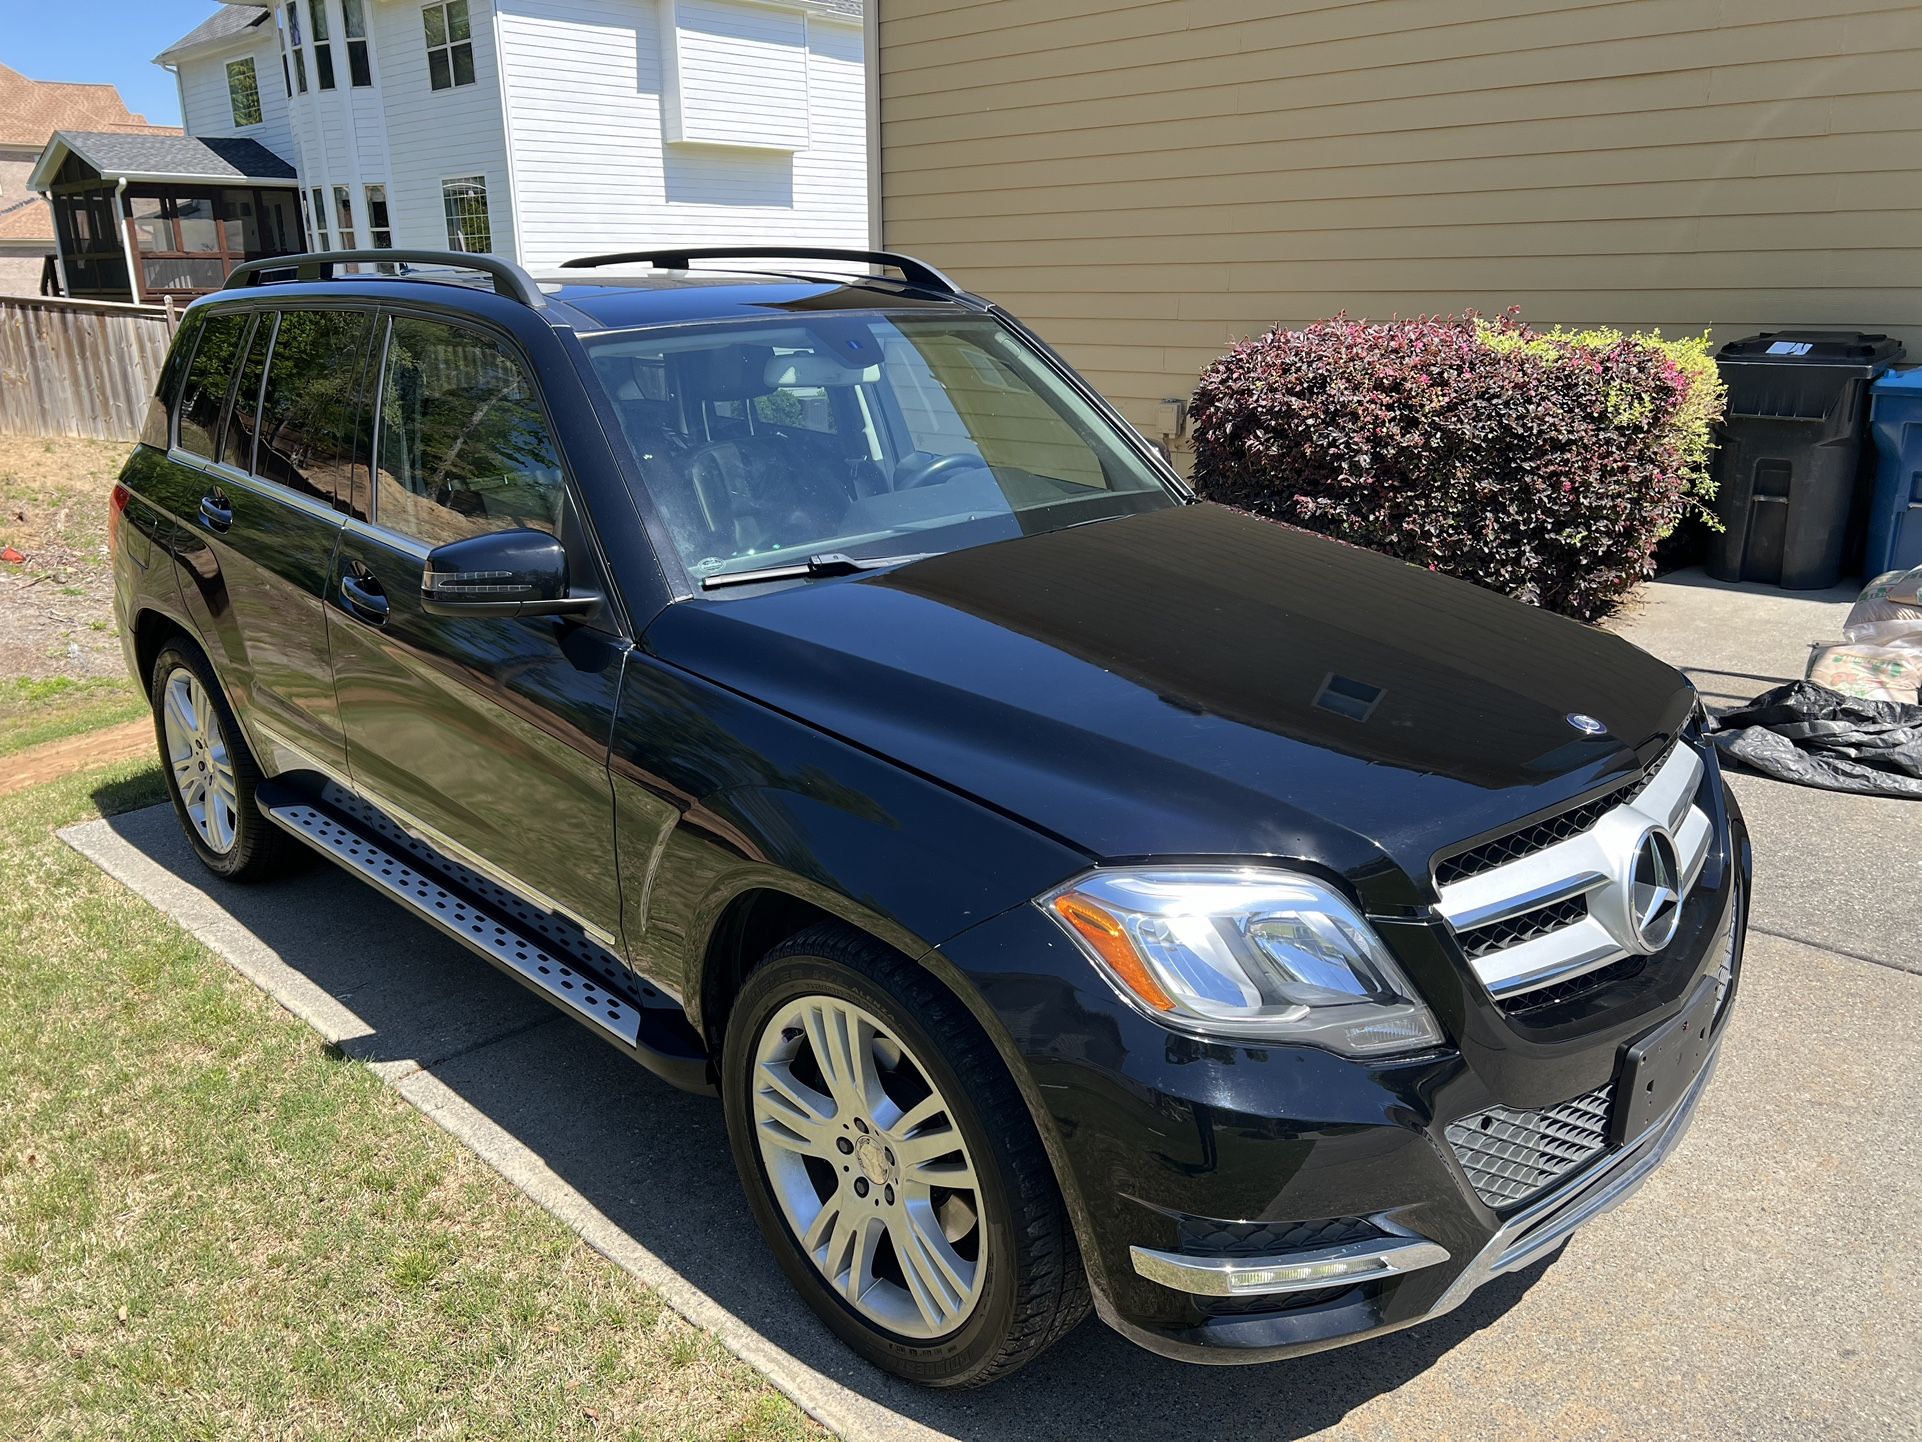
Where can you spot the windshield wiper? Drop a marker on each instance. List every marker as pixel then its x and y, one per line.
pixel 828 563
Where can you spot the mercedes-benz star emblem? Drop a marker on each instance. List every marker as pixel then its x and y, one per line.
pixel 1585 724
pixel 1654 891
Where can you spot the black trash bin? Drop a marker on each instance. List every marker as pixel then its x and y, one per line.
pixel 1786 471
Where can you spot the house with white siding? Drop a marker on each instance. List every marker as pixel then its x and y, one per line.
pixel 537 129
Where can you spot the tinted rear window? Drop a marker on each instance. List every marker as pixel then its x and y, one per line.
pixel 208 380
pixel 310 411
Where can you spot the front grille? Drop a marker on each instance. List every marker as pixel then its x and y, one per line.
pixel 1542 835
pixel 1500 935
pixel 1551 914
pixel 1511 1155
pixel 1575 988
pixel 1204 1236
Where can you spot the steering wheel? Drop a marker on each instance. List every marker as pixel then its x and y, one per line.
pixel 912 473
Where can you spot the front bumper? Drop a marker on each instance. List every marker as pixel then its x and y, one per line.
pixel 1369 1220
pixel 1523 1239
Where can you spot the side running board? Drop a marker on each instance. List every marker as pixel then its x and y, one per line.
pixel 594 1002
pixel 420 893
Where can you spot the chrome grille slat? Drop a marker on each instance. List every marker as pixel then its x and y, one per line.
pixel 1530 921
pixel 1542 834
pixel 1510 1155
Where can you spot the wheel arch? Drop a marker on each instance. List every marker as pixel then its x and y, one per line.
pixel 742 922
pixel 152 630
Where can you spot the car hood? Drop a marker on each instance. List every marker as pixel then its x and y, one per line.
pixel 1196 683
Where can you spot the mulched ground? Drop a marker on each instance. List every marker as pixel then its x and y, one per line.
pixel 56 601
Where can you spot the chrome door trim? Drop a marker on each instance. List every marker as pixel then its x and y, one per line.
pixel 228 475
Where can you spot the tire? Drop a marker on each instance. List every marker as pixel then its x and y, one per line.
pixel 1009 1283
pixel 211 775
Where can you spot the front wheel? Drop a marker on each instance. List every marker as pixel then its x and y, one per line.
pixel 933 1242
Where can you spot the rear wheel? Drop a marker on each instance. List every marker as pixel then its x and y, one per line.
pixel 211 776
pixel 934 1243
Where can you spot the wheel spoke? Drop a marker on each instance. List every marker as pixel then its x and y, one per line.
pixel 902 1124
pixel 820 1232
pixel 177 713
pixel 221 818
pixel 933 1242
pixel 853 1275
pixel 936 1159
pixel 935 1296
pixel 197 700
pixel 834 1033
pixel 791 1114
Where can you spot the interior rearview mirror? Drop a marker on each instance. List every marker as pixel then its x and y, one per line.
pixel 502 573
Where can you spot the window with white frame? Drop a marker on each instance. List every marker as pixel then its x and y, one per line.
pixel 344 216
pixel 318 216
pixel 243 91
pixel 380 230
pixel 465 201
pixel 323 49
pixel 450 44
pixel 296 47
pixel 360 70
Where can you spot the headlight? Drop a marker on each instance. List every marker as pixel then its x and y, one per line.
pixel 1245 953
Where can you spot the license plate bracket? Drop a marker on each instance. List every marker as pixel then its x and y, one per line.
pixel 1659 1065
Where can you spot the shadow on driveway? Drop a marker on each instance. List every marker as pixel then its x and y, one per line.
pixel 655 1162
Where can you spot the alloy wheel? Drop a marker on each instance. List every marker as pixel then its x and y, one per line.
pixel 869 1168
pixel 198 757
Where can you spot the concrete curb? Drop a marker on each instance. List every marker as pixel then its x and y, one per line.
pixel 839 1408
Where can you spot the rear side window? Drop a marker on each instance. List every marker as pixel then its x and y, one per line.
pixel 209 378
pixel 310 409
pixel 237 445
pixel 464 446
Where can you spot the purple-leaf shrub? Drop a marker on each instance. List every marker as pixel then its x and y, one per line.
pixel 1544 466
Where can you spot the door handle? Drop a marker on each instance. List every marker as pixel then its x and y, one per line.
pixel 364 598
pixel 216 512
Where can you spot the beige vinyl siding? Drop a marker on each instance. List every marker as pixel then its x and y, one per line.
pixel 1147 183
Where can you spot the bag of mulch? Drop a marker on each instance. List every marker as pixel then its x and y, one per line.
pixel 1887 610
pixel 1816 737
pixel 1875 673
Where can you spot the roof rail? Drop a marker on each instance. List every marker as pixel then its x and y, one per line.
pixel 509 279
pixel 915 272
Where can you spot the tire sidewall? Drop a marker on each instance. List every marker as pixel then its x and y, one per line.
pixel 950 1361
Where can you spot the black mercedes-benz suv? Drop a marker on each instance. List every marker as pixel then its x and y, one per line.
pixel 1078 895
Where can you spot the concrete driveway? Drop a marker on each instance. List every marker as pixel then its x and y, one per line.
pixel 1764 1284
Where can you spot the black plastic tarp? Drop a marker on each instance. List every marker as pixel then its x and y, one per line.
pixel 1817 737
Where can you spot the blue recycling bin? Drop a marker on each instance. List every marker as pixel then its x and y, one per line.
pixel 1895 513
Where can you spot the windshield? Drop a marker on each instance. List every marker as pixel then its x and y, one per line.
pixel 861 436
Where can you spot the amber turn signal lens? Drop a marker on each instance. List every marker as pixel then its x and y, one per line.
pixel 1102 932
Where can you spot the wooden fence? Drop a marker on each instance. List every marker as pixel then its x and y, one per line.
pixel 79 367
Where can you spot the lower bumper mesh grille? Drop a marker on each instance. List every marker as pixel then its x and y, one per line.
pixel 1511 1155
pixel 1204 1236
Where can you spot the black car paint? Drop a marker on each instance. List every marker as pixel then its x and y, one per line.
pixel 921 751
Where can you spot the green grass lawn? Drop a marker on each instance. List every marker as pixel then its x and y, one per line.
pixel 211 1226
pixel 50 709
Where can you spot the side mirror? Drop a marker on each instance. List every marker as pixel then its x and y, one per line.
pixel 1159 446
pixel 502 573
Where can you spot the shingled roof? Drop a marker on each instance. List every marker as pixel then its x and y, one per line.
pixel 225 23
pixel 31 110
pixel 118 155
